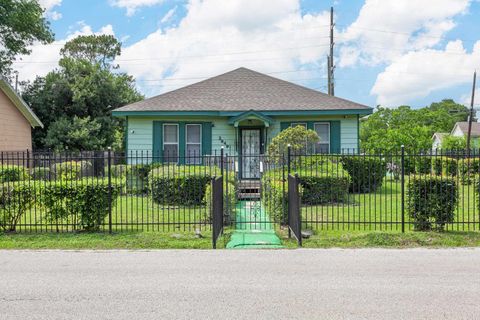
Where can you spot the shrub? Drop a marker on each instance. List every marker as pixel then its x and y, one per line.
pixel 11 173
pixel 118 171
pixel 83 203
pixel 423 164
pixel 181 185
pixel 437 166
pixel 325 182
pixel 15 200
pixel 366 173
pixel 468 169
pixel 71 170
pixel 300 139
pixel 41 173
pixel 228 201
pixel 431 202
pixel 450 167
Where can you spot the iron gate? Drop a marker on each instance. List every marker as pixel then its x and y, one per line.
pixel 294 217
pixel 217 209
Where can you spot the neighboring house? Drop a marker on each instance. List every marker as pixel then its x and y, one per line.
pixel 438 139
pixel 241 110
pixel 460 129
pixel 16 120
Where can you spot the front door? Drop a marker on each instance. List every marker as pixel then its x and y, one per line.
pixel 250 153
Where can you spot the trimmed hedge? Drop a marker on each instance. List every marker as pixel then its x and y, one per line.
pixel 11 173
pixel 325 182
pixel 15 200
pixel 366 173
pixel 228 200
pixel 71 170
pixel 468 169
pixel 41 173
pixel 83 203
pixel 181 184
pixel 431 202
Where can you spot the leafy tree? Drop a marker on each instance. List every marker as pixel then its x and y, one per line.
pixel 84 87
pixel 95 49
pixel 387 129
pixel 75 134
pixel 21 24
pixel 298 137
pixel 454 143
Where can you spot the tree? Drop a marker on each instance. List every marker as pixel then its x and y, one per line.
pixel 82 88
pixel 75 134
pixel 454 143
pixel 298 137
pixel 95 49
pixel 387 129
pixel 21 24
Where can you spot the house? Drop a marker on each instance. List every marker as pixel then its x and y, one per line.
pixel 241 111
pixel 438 139
pixel 16 120
pixel 460 130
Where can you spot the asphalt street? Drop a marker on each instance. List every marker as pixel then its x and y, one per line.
pixel 241 284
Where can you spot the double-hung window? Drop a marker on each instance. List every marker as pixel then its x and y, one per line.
pixel 170 142
pixel 323 131
pixel 193 134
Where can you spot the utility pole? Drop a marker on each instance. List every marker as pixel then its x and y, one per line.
pixel 16 82
pixel 470 117
pixel 331 65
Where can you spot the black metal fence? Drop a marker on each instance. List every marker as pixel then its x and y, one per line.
pixel 111 191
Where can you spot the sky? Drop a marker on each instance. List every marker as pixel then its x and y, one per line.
pixel 387 52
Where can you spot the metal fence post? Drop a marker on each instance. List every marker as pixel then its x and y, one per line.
pixel 221 161
pixel 289 156
pixel 403 188
pixel 109 189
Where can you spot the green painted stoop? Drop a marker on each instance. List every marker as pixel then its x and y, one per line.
pixel 254 229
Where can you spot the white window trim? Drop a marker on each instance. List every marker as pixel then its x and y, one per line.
pixel 329 138
pixel 171 143
pixel 194 143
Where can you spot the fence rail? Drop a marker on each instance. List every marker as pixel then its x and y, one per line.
pixel 110 191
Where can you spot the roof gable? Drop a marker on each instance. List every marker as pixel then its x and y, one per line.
pixel 243 90
pixel 20 104
pixel 463 126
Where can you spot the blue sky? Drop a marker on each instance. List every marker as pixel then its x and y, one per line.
pixel 387 52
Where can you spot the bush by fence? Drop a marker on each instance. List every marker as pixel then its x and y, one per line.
pixel 366 172
pixel 432 202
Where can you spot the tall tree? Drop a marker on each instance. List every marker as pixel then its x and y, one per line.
pixel 388 129
pixel 21 24
pixel 82 92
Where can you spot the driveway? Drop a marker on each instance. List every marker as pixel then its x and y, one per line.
pixel 229 284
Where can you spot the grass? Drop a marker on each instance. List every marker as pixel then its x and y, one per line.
pixel 188 240
pixel 377 239
pixel 101 241
pixel 381 210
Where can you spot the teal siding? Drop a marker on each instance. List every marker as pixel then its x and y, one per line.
pixel 145 134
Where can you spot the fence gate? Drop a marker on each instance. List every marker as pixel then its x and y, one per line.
pixel 217 209
pixel 294 217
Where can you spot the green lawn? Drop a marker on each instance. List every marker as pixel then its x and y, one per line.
pixel 381 210
pixel 378 239
pixel 98 241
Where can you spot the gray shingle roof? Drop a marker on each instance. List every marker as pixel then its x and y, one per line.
pixel 464 127
pixel 241 90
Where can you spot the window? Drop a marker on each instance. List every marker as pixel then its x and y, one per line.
pixel 193 143
pixel 303 124
pixel 170 142
pixel 323 131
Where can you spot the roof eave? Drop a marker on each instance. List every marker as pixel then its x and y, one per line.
pixel 20 104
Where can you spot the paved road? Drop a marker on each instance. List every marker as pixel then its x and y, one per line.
pixel 284 284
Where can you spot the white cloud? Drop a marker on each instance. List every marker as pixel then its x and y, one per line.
pixel 133 5
pixel 168 15
pixel 386 29
pixel 48 5
pixel 217 36
pixel 418 73
pixel 44 58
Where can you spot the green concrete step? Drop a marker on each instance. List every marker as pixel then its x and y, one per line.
pixel 254 230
